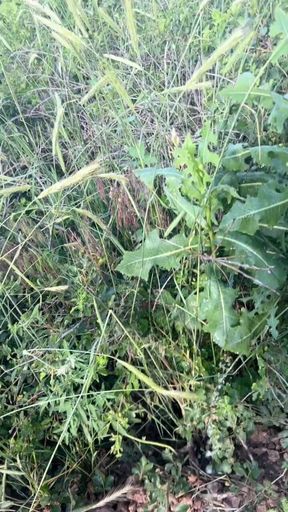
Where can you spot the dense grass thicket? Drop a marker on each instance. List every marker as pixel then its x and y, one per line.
pixel 143 246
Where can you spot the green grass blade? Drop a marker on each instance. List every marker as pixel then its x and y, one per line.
pixel 94 89
pixel 108 20
pixel 7 191
pixel 56 150
pixel 235 38
pixel 131 25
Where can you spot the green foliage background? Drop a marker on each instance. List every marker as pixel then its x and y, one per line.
pixel 143 303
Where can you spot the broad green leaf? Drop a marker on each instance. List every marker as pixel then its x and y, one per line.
pixel 224 191
pixel 275 157
pixel 257 258
pixel 189 315
pixel 208 137
pixel 273 322
pixel 207 156
pixel 217 309
pixel 148 175
pixel 280 50
pixel 238 218
pixel 279 113
pixel 267 207
pixel 164 253
pixel 239 339
pixel 182 508
pixel 139 154
pixel 228 328
pixel 280 28
pixel 280 25
pixel 245 90
pixel 193 214
pixel 236 157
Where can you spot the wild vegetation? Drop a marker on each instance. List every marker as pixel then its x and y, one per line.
pixel 143 250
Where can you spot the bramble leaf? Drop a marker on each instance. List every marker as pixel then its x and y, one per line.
pixel 154 251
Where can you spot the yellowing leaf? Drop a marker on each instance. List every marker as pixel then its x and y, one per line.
pixel 56 289
pixel 120 89
pixel 63 32
pixel 110 22
pixel 186 395
pixel 56 150
pixel 102 225
pixel 94 89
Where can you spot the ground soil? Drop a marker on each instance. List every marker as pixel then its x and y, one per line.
pixel 224 493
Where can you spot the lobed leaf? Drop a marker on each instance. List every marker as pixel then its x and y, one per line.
pixel 263 262
pixel 229 329
pixel 148 175
pixel 237 155
pixel 267 207
pixel 280 28
pixel 244 90
pixel 165 254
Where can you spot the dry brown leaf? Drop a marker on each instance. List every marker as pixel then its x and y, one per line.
pixel 273 455
pixel 193 480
